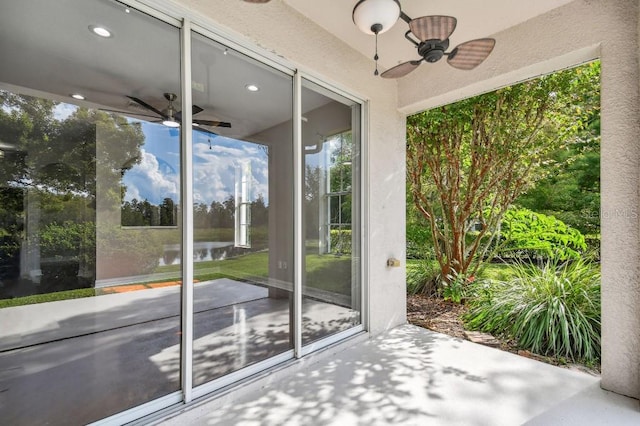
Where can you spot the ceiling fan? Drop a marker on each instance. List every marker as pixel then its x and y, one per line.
pixel 171 118
pixel 429 34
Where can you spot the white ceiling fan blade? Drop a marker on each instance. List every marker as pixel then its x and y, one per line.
pixel 469 55
pixel 433 27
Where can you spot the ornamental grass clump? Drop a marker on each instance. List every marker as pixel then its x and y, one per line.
pixel 553 310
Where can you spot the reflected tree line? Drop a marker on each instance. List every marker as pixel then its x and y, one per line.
pixel 222 214
pixel 49 164
pixel 215 215
pixel 143 213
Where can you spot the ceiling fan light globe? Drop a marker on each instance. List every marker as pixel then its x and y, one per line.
pixel 171 123
pixel 372 15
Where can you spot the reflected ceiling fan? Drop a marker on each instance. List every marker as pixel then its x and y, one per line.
pixel 429 34
pixel 171 118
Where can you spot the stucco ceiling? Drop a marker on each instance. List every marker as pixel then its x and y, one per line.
pixel 476 19
pixel 52 51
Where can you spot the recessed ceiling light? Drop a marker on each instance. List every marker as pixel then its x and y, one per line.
pixel 78 96
pixel 252 87
pixel 100 31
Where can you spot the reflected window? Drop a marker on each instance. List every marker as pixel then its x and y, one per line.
pixel 151 179
pixel 243 205
pixel 337 201
pixel 331 299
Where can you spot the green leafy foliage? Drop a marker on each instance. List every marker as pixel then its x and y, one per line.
pixel 570 185
pixel 422 276
pixel 536 235
pixel 68 239
pixel 419 244
pixel 553 310
pixel 468 162
pixel 340 241
pixel 455 288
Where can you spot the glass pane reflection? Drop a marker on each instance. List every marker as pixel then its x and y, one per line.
pixel 243 232
pixel 331 282
pixel 89 320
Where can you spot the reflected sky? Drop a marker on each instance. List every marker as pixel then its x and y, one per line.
pixel 216 158
pixel 215 161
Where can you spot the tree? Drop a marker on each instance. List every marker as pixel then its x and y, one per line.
pixel 259 212
pixel 55 160
pixel 467 162
pixel 571 189
pixel 168 213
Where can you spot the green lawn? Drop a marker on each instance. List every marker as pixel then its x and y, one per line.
pixel 496 271
pixel 330 273
pixel 47 297
pixel 325 272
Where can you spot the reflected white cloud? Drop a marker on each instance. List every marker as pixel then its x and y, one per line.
pixel 215 169
pixel 214 173
pixel 153 179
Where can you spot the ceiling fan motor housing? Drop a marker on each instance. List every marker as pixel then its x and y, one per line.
pixel 433 50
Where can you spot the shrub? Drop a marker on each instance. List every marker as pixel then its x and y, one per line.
pixel 340 241
pixel 419 245
pixel 539 235
pixel 422 276
pixel 553 310
pixel 456 288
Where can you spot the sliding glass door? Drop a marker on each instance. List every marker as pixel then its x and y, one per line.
pixel 331 286
pixel 89 219
pixel 242 226
pixel 112 194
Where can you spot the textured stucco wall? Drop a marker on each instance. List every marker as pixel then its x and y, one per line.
pixel 579 31
pixel 282 31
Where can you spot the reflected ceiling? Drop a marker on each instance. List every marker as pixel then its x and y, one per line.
pixel 54 54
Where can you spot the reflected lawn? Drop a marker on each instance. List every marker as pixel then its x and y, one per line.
pixel 325 272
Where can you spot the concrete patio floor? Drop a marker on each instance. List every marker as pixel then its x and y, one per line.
pixel 411 376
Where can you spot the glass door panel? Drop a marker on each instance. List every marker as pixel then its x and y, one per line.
pixel 331 220
pixel 89 225
pixel 242 190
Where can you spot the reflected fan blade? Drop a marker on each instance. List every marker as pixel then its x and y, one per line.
pixel 213 123
pixel 469 55
pixel 147 106
pixel 203 130
pixel 400 70
pixel 433 27
pixel 128 113
pixel 195 109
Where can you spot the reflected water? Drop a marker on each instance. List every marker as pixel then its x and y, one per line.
pixel 202 252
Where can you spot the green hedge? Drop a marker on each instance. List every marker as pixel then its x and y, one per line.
pixel 340 241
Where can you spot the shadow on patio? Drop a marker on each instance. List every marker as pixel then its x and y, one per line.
pixel 413 376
